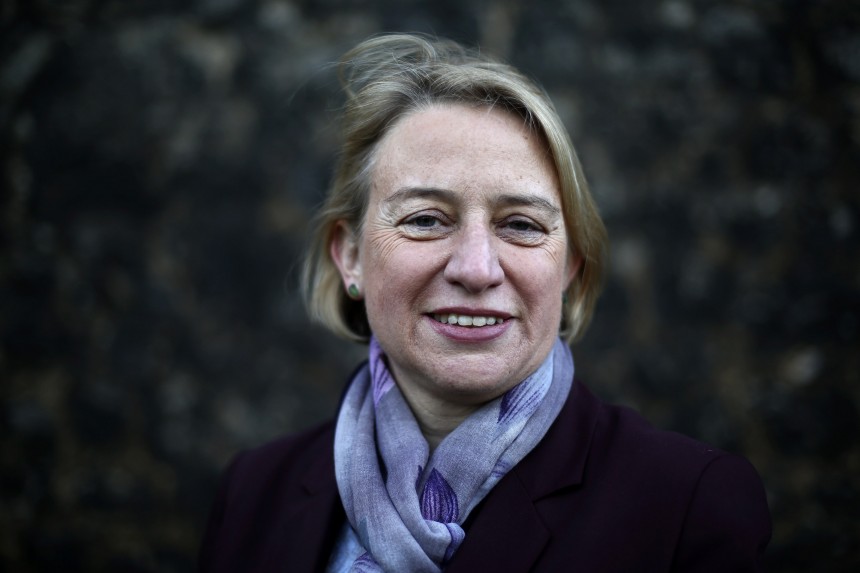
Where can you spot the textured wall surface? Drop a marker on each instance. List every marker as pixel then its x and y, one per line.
pixel 160 161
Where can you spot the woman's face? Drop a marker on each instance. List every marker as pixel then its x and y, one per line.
pixel 463 257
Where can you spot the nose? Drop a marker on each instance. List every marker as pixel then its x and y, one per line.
pixel 474 262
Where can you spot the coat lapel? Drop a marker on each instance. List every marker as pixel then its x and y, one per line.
pixel 507 532
pixel 506 535
pixel 309 525
pixel 558 462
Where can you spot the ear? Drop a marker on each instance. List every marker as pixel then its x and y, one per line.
pixel 345 254
pixel 572 268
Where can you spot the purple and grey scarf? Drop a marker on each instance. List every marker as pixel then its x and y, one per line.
pixel 405 507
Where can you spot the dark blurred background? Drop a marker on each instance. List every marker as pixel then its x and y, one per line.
pixel 161 160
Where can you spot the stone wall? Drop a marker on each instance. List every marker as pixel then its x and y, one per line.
pixel 160 161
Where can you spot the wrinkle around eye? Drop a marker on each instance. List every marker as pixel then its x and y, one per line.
pixel 385 242
pixel 532 236
pixel 555 248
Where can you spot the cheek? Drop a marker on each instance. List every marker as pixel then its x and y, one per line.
pixel 394 277
pixel 548 298
pixel 539 273
pixel 393 305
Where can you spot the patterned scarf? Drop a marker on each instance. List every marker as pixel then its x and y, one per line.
pixel 406 508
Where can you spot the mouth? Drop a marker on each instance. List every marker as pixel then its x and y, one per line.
pixel 468 320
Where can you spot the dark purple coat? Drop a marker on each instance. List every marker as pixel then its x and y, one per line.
pixel 603 491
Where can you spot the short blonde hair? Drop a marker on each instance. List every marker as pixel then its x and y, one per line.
pixel 387 77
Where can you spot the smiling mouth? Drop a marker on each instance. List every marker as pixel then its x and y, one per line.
pixel 468 320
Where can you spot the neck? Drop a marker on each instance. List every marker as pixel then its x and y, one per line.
pixel 436 418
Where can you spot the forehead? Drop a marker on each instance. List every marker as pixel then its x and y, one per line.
pixel 457 147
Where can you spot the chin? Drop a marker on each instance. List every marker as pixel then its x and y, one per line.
pixel 473 387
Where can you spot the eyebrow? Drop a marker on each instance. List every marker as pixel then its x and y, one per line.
pixel 448 196
pixel 407 193
pixel 509 200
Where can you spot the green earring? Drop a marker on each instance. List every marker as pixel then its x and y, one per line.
pixel 564 297
pixel 352 289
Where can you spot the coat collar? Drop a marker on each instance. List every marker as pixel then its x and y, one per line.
pixel 319 478
pixel 508 533
pixel 310 525
pixel 558 461
pixel 313 523
pixel 507 521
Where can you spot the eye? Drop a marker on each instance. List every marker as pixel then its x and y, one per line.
pixel 521 231
pixel 521 225
pixel 426 225
pixel 423 221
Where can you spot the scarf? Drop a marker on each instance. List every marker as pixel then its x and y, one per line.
pixel 405 507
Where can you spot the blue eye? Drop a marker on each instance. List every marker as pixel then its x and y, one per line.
pixel 522 226
pixel 425 221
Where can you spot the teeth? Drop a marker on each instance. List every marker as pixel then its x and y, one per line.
pixel 466 320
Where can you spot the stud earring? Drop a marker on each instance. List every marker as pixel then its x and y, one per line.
pixel 353 291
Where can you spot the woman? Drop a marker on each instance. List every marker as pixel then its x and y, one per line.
pixel 459 239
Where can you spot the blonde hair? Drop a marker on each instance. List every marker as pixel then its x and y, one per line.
pixel 390 76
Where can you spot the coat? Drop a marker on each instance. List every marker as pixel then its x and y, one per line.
pixel 603 491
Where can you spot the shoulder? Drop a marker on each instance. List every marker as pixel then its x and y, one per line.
pixel 693 471
pixel 727 523
pixel 624 441
pixel 283 457
pixel 278 467
pixel 625 436
pixel 261 488
pixel 633 497
pixel 710 505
